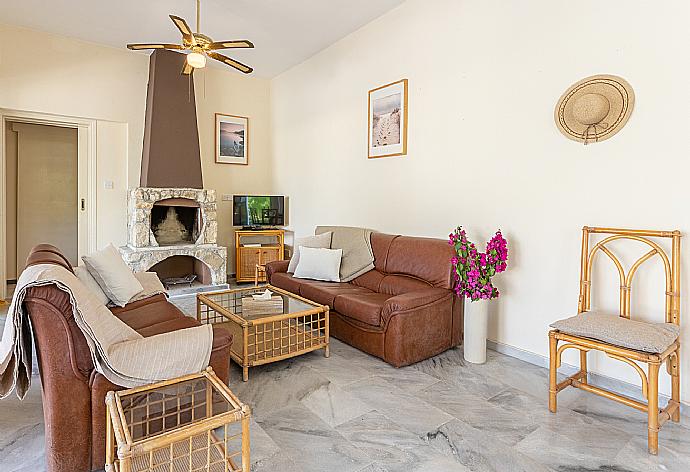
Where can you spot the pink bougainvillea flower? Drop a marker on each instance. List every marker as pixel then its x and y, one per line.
pixel 473 279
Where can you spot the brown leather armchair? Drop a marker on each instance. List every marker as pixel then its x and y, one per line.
pixel 73 392
pixel 403 311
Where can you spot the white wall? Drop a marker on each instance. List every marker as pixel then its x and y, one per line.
pixel 484 151
pixel 46 73
pixel 218 91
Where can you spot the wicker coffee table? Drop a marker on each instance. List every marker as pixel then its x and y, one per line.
pixel 266 331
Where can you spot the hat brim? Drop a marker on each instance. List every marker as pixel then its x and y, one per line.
pixel 621 100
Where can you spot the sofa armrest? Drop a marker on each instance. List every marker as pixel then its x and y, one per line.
pixel 276 267
pixel 413 301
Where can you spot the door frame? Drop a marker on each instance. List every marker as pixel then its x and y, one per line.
pixel 86 163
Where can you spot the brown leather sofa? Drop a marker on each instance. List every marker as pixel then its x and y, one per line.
pixel 73 392
pixel 403 311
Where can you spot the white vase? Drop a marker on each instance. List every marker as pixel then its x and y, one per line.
pixel 476 325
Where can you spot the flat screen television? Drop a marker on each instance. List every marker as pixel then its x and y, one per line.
pixel 257 211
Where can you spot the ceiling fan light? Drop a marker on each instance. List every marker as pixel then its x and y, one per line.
pixel 196 60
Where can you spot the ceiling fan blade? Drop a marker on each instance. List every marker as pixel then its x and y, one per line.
pixel 231 62
pixel 240 43
pixel 137 46
pixel 187 69
pixel 184 29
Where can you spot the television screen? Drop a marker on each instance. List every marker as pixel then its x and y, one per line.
pixel 249 210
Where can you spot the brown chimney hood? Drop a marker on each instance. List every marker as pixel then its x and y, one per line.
pixel 171 157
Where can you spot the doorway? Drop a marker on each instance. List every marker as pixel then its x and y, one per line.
pixel 42 192
pixel 47 188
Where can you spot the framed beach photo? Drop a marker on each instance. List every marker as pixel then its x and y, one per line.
pixel 387 125
pixel 232 139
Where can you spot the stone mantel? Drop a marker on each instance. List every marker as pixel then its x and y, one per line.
pixel 215 257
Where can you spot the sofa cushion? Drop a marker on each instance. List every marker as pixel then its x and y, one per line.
pixel 399 284
pixel 325 292
pixel 414 300
pixel 287 282
pixel 380 243
pixel 370 280
pixel 619 331
pixel 145 313
pixel 424 258
pixel 167 326
pixel 364 307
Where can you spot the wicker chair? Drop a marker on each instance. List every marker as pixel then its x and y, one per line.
pixel 614 336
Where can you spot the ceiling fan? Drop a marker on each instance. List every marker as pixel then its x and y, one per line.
pixel 199 46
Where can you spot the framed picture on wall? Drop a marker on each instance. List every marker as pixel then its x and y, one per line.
pixel 387 125
pixel 232 139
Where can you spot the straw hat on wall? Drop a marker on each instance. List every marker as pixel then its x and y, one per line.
pixel 595 108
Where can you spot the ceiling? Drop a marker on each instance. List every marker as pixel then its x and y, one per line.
pixel 284 32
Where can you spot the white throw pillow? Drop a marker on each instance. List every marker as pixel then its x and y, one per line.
pixel 85 277
pixel 318 241
pixel 112 274
pixel 319 264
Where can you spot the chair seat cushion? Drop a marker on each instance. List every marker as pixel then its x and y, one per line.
pixel 613 329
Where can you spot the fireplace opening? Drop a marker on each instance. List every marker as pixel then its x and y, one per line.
pixel 176 269
pixel 175 221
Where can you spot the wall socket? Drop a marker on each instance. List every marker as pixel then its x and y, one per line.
pixel 108 184
pixel 226 197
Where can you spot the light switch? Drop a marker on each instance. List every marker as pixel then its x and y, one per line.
pixel 227 197
pixel 108 184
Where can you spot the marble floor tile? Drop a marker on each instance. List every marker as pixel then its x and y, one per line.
pixel 400 406
pixel 277 462
pixel 483 415
pixel 451 367
pixel 478 451
pixel 409 379
pixel 379 437
pixel 675 437
pixel 333 405
pixel 585 443
pixel 634 455
pixel 310 443
pixel 392 447
pixel 275 386
pixel 339 369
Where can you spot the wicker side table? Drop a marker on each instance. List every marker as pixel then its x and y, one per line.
pixel 186 424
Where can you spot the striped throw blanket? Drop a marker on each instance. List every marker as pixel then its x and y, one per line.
pixel 121 354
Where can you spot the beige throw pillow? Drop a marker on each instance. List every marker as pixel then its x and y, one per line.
pixel 318 241
pixel 358 257
pixel 112 274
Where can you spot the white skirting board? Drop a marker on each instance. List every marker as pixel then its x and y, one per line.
pixel 599 380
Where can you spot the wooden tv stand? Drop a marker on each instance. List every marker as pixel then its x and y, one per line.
pixel 271 247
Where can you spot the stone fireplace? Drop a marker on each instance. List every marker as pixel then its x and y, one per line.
pixel 164 223
pixel 171 218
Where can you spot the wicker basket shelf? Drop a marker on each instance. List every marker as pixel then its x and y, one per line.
pixel 189 424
